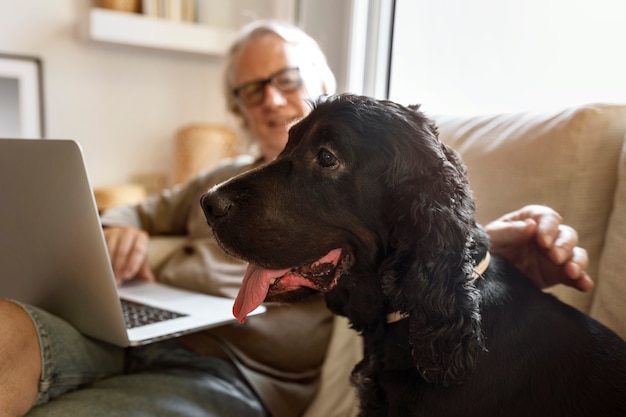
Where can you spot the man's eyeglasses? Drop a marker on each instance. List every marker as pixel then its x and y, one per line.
pixel 252 93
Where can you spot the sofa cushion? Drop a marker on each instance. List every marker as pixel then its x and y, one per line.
pixel 337 397
pixel 609 301
pixel 567 160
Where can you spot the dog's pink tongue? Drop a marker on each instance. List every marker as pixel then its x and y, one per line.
pixel 253 290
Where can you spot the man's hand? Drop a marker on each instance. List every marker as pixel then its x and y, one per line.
pixel 543 248
pixel 128 249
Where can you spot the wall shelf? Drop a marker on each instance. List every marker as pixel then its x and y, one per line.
pixel 103 25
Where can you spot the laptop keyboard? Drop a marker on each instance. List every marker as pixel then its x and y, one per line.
pixel 137 314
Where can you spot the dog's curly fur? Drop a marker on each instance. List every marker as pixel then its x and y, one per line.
pixel 371 177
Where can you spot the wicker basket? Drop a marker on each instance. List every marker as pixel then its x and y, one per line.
pixel 132 6
pixel 116 195
pixel 199 147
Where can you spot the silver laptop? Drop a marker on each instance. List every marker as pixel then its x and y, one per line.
pixel 53 254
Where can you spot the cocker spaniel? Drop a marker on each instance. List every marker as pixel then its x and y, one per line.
pixel 367 206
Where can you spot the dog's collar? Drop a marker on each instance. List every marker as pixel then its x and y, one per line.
pixel 482 266
pixel 478 272
pixel 396 316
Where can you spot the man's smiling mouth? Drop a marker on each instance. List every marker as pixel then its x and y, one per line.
pixel 283 122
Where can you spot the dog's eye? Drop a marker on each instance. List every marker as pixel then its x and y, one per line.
pixel 327 159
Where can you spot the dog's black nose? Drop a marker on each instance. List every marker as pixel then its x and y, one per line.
pixel 214 206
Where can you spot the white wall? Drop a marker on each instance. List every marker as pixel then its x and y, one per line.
pixel 123 104
pixel 482 56
pixel 329 23
pixel 9 107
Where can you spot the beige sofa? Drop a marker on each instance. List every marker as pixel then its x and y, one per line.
pixel 573 160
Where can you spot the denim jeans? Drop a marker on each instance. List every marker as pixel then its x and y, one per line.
pixel 85 377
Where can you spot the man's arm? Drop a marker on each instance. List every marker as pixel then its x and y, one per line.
pixel 127 229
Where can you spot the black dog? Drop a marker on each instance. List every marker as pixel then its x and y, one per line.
pixel 366 205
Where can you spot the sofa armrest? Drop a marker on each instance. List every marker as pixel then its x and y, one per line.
pixel 610 293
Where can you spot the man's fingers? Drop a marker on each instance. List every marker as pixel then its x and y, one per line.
pixel 548 224
pixel 114 240
pixel 145 272
pixel 564 246
pixel 575 270
pixel 582 282
pixel 505 233
pixel 136 255
pixel 128 251
pixel 578 264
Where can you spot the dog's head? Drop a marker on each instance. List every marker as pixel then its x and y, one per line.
pixel 366 205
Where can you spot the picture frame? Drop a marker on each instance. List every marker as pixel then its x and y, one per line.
pixel 21 97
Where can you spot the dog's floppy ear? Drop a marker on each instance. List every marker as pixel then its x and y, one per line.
pixel 428 268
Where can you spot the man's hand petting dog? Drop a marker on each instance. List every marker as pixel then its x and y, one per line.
pixel 555 258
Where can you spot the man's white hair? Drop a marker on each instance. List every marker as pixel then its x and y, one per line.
pixel 306 46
